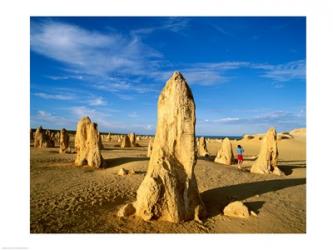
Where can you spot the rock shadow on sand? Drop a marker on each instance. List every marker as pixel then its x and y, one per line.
pixel 287 166
pixel 216 199
pixel 255 206
pixel 114 162
pixel 207 158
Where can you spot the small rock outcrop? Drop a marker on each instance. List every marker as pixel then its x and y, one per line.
pixel 225 154
pixel 132 138
pixel 122 172
pixel 31 135
pixel 100 141
pixel 41 139
pixel 202 147
pixel 126 210
pixel 268 156
pixel 298 132
pixel 63 141
pixel 125 143
pixel 150 147
pixel 236 209
pixel 248 137
pixel 87 144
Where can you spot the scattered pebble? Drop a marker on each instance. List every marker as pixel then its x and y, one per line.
pixel 122 172
pixel 126 210
pixel 236 209
pixel 253 213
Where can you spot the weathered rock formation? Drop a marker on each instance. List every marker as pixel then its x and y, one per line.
pixel 268 156
pixel 122 172
pixel 57 136
pixel 284 136
pixel 150 147
pixel 132 138
pixel 50 138
pixel 125 143
pixel 236 209
pixel 31 135
pixel 169 190
pixel 100 141
pixel 41 139
pixel 131 171
pixel 247 137
pixel 225 154
pixel 202 147
pixel 87 144
pixel 63 141
pixel 298 132
pixel 119 140
pixel 126 210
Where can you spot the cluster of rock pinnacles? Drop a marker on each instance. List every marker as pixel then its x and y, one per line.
pixel 169 190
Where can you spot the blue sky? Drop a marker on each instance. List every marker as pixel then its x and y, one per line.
pixel 246 73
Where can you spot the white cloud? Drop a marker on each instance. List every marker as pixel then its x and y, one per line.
pixel 119 85
pixel 125 97
pixel 47 119
pixel 103 118
pixel 228 119
pixel 204 74
pixel 56 78
pixel 133 115
pixel 272 118
pixel 106 121
pixel 173 24
pixel 177 24
pixel 283 72
pixel 91 52
pixel 97 101
pixel 63 97
pixel 77 95
pixel 148 127
pixel 107 60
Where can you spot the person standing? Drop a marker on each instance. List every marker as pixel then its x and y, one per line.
pixel 240 158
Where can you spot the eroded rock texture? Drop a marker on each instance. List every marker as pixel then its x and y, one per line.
pixel 169 190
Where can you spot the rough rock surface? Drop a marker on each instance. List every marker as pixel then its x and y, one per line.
pixel 202 147
pixel 131 171
pixel 87 144
pixel 284 136
pixel 150 147
pixel 126 210
pixel 225 154
pixel 50 139
pixel 169 190
pixel 298 132
pixel 236 209
pixel 247 137
pixel 122 172
pixel 100 141
pixel 268 156
pixel 63 141
pixel 41 139
pixel 125 143
pixel 132 138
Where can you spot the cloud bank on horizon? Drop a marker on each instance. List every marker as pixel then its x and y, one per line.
pixel 246 74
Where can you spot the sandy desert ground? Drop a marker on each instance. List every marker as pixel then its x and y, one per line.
pixel 69 199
